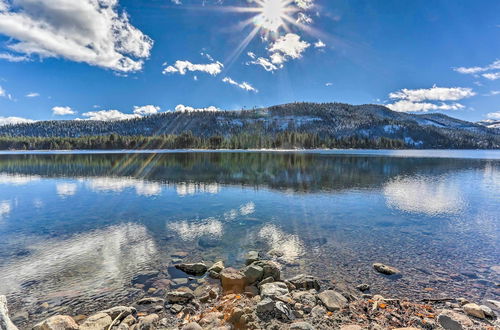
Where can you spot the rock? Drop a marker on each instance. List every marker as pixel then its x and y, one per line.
pixel 124 311
pixel 233 280
pixel 196 269
pixel 192 326
pixel 129 320
pixel 57 322
pixel 148 322
pixel 265 306
pixel 5 322
pixel 144 277
pixel 273 290
pixel 217 267
pixel 384 269
pixel 19 317
pixel 269 279
pixel 487 311
pixel 251 257
pixel 271 269
pixel 495 303
pixel 332 300
pixel 305 282
pixel 451 320
pixel 301 326
pixel 351 327
pixel 179 254
pixel 305 298
pixel 150 301
pixel 176 308
pixel 236 315
pixel 283 311
pixel 407 328
pixel 180 281
pixel 179 297
pixel 97 321
pixel 474 310
pixel 251 291
pixel 318 311
pixel 363 287
pixel 253 273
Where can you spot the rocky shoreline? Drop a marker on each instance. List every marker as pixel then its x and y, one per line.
pixel 257 297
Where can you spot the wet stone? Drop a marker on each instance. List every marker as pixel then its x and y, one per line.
pixel 385 269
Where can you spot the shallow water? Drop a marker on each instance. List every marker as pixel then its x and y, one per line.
pixel 76 228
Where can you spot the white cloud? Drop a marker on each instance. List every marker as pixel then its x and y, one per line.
pixel 319 44
pixel 89 31
pixel 478 69
pixel 433 94
pixel 304 4
pixel 303 18
pixel 3 93
pixel 183 108
pixel 62 111
pixel 494 115
pixel 290 46
pixel 13 58
pixel 328 84
pixel 409 106
pixel 146 110
pixel 492 76
pixel 252 55
pixel 243 85
pixel 265 63
pixel 14 121
pixel 182 67
pixel 109 115
pixel 177 2
pixel 417 100
pixel 32 94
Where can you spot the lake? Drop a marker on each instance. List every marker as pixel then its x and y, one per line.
pixel 80 231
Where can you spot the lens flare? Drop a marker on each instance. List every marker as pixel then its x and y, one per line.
pixel 271 14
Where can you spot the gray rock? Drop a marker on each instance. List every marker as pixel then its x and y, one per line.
pixel 217 267
pixel 57 322
pixel 192 326
pixel 332 300
pixel 384 269
pixel 273 290
pixel 253 273
pixel 5 322
pixel 487 311
pixel 180 297
pixel 96 322
pixel 150 301
pixel 180 281
pixel 251 257
pixel 305 282
pixel 495 303
pixel 265 306
pixel 148 322
pixel 19 317
pixel 283 311
pixel 305 298
pixel 363 287
pixel 176 308
pixel 451 320
pixel 318 311
pixel 196 269
pixel 301 326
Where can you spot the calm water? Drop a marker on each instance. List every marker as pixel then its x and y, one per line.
pixel 76 228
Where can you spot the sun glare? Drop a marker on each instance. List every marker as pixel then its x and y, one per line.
pixel 272 14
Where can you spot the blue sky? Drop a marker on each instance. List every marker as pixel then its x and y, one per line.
pixel 66 59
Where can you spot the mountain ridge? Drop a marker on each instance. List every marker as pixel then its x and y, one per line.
pixel 326 120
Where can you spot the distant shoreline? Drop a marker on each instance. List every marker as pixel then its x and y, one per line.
pixel 409 153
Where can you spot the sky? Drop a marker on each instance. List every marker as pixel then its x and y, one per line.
pixel 120 59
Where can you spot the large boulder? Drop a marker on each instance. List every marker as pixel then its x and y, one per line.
pixel 305 282
pixel 5 322
pixel 233 280
pixel 97 321
pixel 57 322
pixel 273 290
pixel 215 270
pixel 384 269
pixel 196 269
pixel 270 269
pixel 332 300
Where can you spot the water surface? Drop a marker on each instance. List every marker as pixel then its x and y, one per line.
pixel 76 228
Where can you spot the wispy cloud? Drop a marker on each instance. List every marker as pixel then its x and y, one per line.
pixel 494 115
pixel 243 85
pixel 184 108
pixel 484 70
pixel 32 94
pixel 109 115
pixel 182 67
pixel 13 58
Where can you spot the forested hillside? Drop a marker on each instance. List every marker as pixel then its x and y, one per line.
pixel 305 125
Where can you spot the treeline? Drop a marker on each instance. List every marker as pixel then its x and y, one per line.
pixel 285 140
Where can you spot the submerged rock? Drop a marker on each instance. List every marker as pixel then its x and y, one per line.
pixel 384 269
pixel 196 269
pixel 5 322
pixel 57 322
pixel 305 282
pixel 332 300
pixel 179 297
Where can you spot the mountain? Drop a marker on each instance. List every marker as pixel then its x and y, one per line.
pixel 324 120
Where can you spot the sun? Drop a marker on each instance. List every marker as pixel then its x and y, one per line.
pixel 271 14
